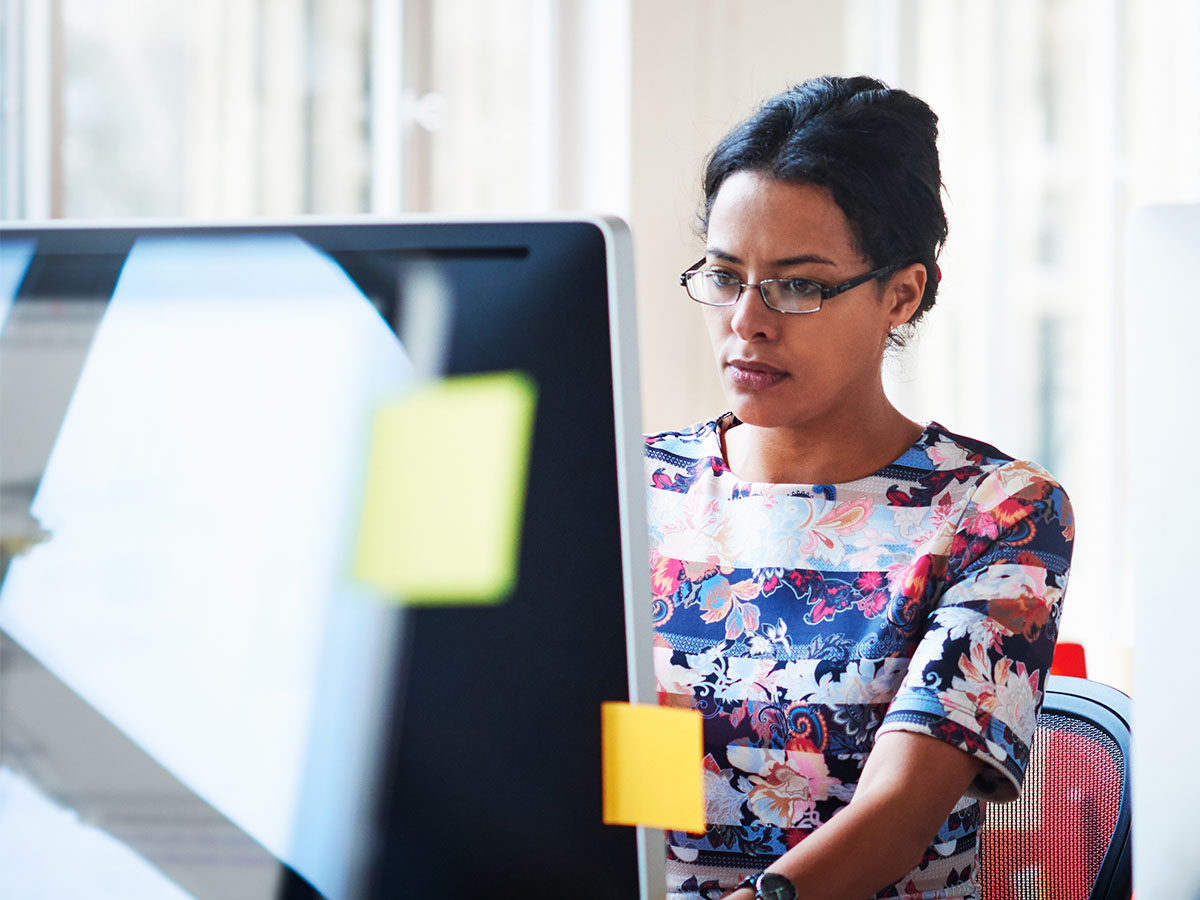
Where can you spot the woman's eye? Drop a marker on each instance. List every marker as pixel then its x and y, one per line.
pixel 722 279
pixel 799 287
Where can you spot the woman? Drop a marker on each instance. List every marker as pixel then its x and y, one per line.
pixel 864 608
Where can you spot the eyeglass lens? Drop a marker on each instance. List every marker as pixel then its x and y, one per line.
pixel 787 294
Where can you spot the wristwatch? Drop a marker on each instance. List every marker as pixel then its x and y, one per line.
pixel 769 886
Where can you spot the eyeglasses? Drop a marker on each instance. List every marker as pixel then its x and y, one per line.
pixel 785 295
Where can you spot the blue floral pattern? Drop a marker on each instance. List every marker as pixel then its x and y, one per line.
pixel 803 621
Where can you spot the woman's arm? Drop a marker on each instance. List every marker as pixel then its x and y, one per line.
pixel 909 786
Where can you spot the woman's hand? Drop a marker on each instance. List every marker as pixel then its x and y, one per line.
pixel 740 894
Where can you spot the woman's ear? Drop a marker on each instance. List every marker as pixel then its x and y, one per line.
pixel 904 292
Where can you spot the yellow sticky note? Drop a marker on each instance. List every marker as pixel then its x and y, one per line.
pixel 445 492
pixel 653 766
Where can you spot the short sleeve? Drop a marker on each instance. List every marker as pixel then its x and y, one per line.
pixel 978 674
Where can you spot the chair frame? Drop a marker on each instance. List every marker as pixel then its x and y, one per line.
pixel 1110 710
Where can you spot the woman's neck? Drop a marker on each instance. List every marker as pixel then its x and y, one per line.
pixel 836 453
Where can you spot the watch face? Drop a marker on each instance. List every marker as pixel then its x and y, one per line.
pixel 775 887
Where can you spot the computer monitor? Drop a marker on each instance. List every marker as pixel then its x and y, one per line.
pixel 200 700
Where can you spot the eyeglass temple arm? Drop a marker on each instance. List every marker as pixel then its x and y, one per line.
pixel 828 293
pixel 690 269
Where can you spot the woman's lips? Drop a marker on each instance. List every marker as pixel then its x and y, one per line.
pixel 754 376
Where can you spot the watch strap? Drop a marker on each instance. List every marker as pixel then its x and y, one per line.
pixel 750 881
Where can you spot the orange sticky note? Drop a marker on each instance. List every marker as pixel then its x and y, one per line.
pixel 653 766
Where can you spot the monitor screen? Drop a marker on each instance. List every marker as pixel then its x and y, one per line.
pixel 187 415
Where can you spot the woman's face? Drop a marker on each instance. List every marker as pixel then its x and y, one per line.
pixel 795 370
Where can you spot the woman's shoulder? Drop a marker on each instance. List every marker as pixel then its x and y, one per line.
pixel 693 441
pixel 996 480
pixel 678 461
pixel 946 450
pixel 947 467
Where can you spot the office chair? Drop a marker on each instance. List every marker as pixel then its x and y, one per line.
pixel 1067 836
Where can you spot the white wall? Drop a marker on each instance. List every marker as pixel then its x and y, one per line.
pixel 1160 336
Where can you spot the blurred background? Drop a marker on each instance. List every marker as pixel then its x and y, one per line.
pixel 1058 118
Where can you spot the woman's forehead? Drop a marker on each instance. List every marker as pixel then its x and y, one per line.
pixel 773 221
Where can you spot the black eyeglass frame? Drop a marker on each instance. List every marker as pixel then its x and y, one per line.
pixel 825 292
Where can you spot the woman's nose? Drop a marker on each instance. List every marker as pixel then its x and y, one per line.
pixel 752 319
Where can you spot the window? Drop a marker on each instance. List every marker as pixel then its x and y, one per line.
pixel 1057 120
pixel 227 108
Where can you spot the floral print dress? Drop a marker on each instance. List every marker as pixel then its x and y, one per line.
pixel 803 621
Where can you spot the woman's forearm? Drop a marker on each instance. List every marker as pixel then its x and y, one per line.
pixel 909 787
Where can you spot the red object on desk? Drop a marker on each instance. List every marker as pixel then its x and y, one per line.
pixel 1069 659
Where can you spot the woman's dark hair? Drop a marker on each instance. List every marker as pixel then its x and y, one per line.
pixel 873 146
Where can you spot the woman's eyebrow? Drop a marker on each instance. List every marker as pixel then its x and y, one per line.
pixel 786 261
pixel 804 258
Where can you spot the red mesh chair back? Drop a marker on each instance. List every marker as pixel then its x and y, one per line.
pixel 1067 836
